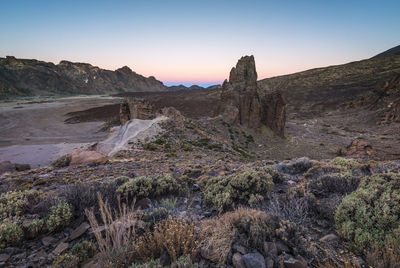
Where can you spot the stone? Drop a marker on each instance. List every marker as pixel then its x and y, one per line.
pixel 269 263
pixel 48 240
pixel 4 257
pixel 82 157
pixel 143 203
pixel 237 261
pixel 281 247
pixel 294 263
pixel 270 249
pixel 140 108
pixel 239 248
pixel 60 248
pixel 358 148
pixel 243 102
pixel 329 238
pixel 124 114
pixel 165 259
pixel 174 115
pixel 80 230
pixel 254 260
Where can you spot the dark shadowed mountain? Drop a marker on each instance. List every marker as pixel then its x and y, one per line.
pixel 392 51
pixel 26 77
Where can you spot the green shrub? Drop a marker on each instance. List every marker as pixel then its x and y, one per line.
pixel 146 186
pixel 63 161
pixel 13 203
pixel 348 163
pixel 10 233
pixel 243 187
pixel 66 261
pixel 60 215
pixel 149 146
pixel 84 251
pixel 370 214
pixel 33 228
pixel 326 184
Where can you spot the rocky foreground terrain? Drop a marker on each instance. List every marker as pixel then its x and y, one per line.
pixel 244 181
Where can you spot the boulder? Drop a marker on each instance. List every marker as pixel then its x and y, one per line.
pixel 237 261
pixel 244 102
pixel 254 260
pixel 174 115
pixel 7 166
pixel 357 148
pixel 82 157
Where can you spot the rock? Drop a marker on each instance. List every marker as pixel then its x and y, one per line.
pixel 254 260
pixel 4 257
pixel 281 247
pixel 244 102
pixel 80 230
pixel 239 248
pixel 143 203
pixel 294 263
pixel 358 148
pixel 60 248
pixel 270 249
pixel 329 238
pixel 237 261
pixel 392 113
pixel 165 259
pixel 48 240
pixel 174 115
pixel 138 109
pixel 81 157
pixel 269 263
pixel 124 114
pixel 7 166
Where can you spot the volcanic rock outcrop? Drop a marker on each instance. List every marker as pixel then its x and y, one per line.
pixel 244 102
pixel 357 148
pixel 136 108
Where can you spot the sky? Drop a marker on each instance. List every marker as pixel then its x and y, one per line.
pixel 198 42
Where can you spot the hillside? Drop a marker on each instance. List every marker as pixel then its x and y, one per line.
pixel 317 90
pixel 23 77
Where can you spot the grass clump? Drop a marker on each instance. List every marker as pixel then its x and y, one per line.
pixel 368 216
pixel 149 146
pixel 244 187
pixel 145 186
pixel 220 233
pixel 175 236
pixel 63 161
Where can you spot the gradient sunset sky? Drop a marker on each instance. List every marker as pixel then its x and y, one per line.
pixel 197 42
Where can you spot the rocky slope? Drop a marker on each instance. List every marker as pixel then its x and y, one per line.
pixel 329 88
pixel 22 77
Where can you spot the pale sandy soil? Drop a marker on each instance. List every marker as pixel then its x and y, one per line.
pixel 34 132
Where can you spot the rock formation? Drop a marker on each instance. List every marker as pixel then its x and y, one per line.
pixel 357 148
pixel 392 113
pixel 244 102
pixel 136 108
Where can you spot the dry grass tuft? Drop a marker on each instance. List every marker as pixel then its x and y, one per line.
pixel 175 236
pixel 119 232
pixel 219 234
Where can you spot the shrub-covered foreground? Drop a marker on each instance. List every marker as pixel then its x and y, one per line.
pixel 371 214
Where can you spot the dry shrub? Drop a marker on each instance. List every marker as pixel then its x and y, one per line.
pixel 347 263
pixel 175 236
pixel 218 234
pixel 389 257
pixel 116 244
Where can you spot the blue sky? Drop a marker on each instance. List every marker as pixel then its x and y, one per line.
pixel 199 41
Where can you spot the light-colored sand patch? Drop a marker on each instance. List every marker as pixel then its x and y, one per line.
pixel 134 131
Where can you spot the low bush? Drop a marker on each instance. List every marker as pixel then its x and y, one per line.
pixel 63 161
pixel 327 184
pixel 175 236
pixel 60 216
pixel 145 186
pixel 348 163
pixel 244 187
pixel 14 203
pixel 10 233
pixel 249 226
pixel 369 215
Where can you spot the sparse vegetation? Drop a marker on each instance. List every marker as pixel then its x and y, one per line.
pixel 244 187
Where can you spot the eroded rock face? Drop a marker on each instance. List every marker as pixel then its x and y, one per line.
pixel 392 113
pixel 244 102
pixel 357 148
pixel 136 108
pixel 82 157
